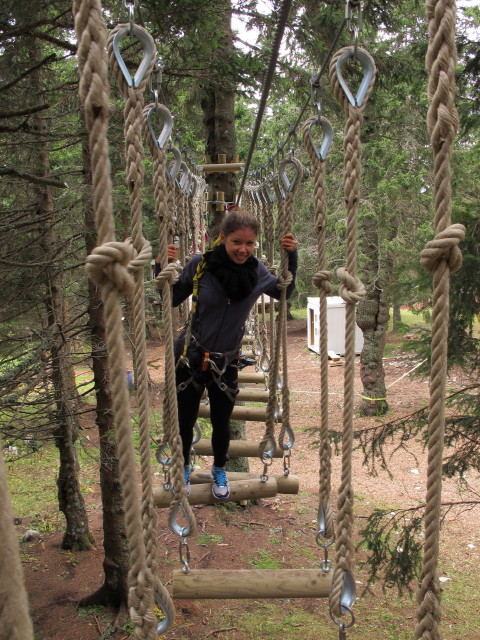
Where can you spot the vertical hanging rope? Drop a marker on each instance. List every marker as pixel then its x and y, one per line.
pixel 165 280
pixel 134 170
pixel 285 213
pixel 14 615
pixel 441 257
pixel 108 266
pixel 351 290
pixel 323 281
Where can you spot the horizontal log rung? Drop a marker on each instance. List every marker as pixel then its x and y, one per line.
pixel 250 583
pixel 285 484
pixel 236 449
pixel 239 490
pixel 248 413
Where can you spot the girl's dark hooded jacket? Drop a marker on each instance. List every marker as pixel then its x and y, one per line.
pixel 219 323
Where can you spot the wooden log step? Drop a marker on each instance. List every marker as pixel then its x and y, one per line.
pixel 252 394
pixel 251 583
pixel 285 484
pixel 248 413
pixel 239 490
pixel 237 449
pixel 251 376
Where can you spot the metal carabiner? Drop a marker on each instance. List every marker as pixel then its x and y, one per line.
pixel 175 165
pixel 264 363
pixel 267 454
pixel 161 140
pixel 197 433
pixel 163 460
pixel 173 524
pixel 327 137
pixel 368 65
pixel 282 175
pixel 287 446
pixel 165 624
pixel 184 174
pixel 148 52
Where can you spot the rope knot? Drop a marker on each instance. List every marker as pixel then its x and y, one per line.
pixel 351 287
pixel 283 283
pixel 444 247
pixel 140 258
pixel 110 263
pixel 168 275
pixel 323 280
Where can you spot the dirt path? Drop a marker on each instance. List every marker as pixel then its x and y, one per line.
pixel 279 531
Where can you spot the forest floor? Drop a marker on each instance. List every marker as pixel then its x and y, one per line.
pixel 278 532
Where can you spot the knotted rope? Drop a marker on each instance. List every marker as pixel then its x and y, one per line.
pixel 322 280
pixel 351 290
pixel 108 267
pixel 14 615
pixel 441 257
pixel 134 170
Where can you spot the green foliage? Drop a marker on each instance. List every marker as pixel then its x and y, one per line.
pixel 394 544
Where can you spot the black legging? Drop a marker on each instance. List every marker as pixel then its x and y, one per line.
pixel 221 407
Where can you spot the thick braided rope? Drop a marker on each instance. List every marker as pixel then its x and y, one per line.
pixel 351 290
pixel 14 615
pixel 441 257
pixel 269 225
pixel 108 268
pixel 322 280
pixel 134 170
pixel 285 224
pixel 274 368
pixel 181 223
pixel 264 218
pixel 165 280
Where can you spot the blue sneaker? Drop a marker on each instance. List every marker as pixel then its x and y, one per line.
pixel 220 488
pixel 187 479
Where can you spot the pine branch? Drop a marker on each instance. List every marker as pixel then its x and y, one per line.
pixel 21 175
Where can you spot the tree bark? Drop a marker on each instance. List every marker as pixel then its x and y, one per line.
pixel 77 534
pixel 218 102
pixel 114 591
pixel 372 318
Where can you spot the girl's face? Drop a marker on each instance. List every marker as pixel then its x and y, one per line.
pixel 239 244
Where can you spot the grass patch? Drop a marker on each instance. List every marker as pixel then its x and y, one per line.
pixel 264 560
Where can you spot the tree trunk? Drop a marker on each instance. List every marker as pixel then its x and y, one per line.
pixel 77 535
pixel 218 102
pixel 372 318
pixel 114 591
pixel 397 317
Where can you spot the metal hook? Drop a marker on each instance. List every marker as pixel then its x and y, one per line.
pixel 287 446
pixel 164 625
pixel 327 136
pixel 368 65
pixel 148 52
pixel 166 132
pixel 175 166
pixel 173 524
pixel 282 175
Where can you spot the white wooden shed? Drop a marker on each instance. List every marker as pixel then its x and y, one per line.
pixel 335 324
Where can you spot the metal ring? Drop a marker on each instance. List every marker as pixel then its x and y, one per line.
pixel 161 140
pixel 197 433
pixel 341 624
pixel 163 460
